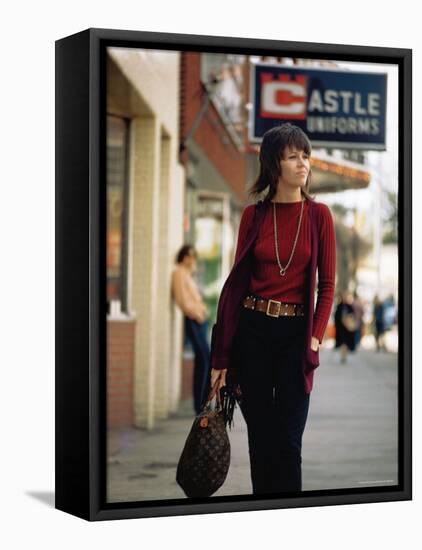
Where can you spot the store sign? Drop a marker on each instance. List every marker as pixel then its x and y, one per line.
pixel 336 108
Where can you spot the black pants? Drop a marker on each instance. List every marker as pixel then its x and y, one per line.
pixel 275 405
pixel 197 336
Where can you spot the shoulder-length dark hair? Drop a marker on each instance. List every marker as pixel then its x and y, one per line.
pixel 273 145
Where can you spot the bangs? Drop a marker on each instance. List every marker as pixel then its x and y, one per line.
pixel 298 140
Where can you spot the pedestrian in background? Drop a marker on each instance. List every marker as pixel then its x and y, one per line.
pixel 267 330
pixel 346 325
pixel 379 323
pixel 390 312
pixel 188 297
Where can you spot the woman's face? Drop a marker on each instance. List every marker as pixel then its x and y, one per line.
pixel 295 166
pixel 190 260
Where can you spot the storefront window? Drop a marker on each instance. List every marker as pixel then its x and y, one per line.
pixel 117 213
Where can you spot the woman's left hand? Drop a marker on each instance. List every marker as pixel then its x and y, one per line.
pixel 314 344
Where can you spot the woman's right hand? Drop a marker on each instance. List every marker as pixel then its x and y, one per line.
pixel 218 374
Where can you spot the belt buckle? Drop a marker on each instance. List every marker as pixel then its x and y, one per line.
pixel 268 308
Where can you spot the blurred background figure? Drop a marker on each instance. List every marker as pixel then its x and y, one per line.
pixel 345 325
pixel 359 311
pixel 188 297
pixel 379 323
pixel 390 312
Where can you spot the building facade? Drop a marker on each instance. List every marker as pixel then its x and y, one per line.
pixel 145 190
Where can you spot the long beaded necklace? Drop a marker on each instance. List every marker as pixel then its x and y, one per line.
pixel 284 269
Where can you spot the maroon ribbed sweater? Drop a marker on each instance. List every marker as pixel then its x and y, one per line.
pixel 266 280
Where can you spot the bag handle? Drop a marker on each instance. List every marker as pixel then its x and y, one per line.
pixel 216 392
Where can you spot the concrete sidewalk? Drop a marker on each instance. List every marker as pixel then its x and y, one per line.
pixel 350 438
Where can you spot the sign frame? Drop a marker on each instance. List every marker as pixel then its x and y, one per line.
pixel 316 143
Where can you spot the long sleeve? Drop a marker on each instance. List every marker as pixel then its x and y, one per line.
pixel 185 295
pixel 326 272
pixel 227 313
pixel 245 222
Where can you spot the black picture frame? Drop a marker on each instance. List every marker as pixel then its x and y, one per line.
pixel 80 273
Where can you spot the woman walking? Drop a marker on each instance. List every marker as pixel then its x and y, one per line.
pixel 346 325
pixel 265 343
pixel 187 296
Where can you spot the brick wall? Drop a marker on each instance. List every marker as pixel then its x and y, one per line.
pixel 120 361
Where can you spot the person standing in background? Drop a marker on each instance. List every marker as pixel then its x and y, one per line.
pixel 188 297
pixel 379 323
pixel 345 323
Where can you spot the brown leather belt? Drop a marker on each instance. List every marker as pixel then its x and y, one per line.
pixel 273 308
